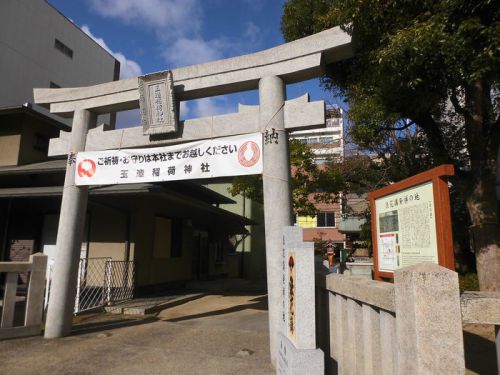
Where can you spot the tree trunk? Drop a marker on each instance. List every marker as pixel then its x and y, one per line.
pixel 482 143
pixel 485 234
pixel 486 240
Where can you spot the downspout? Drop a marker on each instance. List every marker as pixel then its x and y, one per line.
pixel 87 250
pixel 6 230
pixel 128 225
pixel 126 274
pixel 242 272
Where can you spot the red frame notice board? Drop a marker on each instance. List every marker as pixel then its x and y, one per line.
pixel 411 222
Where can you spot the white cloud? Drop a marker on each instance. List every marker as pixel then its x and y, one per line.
pixel 184 110
pixel 252 33
pixel 187 51
pixel 188 109
pixel 212 106
pixel 176 16
pixel 128 68
pixel 255 5
pixel 177 27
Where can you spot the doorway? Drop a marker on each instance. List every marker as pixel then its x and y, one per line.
pixel 200 255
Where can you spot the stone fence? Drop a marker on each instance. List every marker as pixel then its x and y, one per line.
pixel 31 325
pixel 413 326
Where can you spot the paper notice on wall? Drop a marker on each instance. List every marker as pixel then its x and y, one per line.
pixel 220 157
pixel 387 248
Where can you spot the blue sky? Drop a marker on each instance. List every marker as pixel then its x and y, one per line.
pixel 153 35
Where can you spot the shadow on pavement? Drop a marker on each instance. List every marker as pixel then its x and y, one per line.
pixel 91 327
pixel 100 321
pixel 259 303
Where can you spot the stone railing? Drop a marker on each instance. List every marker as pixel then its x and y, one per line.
pixel 36 266
pixel 413 326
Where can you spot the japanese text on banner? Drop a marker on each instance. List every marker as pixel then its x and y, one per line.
pixel 220 157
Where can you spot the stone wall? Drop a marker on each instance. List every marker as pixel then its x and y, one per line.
pixel 413 326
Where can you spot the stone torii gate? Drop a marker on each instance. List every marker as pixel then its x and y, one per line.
pixel 269 71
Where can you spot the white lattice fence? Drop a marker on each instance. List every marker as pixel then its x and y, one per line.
pixel 120 280
pixel 101 281
pixel 91 289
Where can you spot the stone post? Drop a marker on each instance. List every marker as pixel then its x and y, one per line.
pixel 429 320
pixel 497 345
pixel 277 193
pixel 297 353
pixel 34 299
pixel 69 235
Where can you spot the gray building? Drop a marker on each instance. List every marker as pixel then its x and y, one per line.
pixel 40 47
pixel 327 143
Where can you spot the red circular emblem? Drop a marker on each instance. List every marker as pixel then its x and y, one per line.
pixel 242 158
pixel 86 168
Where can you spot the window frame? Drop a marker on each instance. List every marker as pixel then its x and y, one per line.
pixel 325 219
pixel 63 48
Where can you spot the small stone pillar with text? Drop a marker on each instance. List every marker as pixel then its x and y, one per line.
pixel 297 352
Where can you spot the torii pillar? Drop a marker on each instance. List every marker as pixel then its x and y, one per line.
pixel 277 195
pixel 69 235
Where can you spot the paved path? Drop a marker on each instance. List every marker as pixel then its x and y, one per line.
pixel 214 334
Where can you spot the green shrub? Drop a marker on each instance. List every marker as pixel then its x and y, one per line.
pixel 468 281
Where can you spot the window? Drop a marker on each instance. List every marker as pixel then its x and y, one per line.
pixel 332 122
pixel 219 251
pixel 63 48
pixel 176 249
pixel 325 140
pixel 326 219
pixel 41 143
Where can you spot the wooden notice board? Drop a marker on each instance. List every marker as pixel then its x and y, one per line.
pixel 411 222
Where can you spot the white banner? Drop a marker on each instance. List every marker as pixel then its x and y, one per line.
pixel 229 156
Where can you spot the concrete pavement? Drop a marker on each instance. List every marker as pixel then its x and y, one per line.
pixel 215 334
